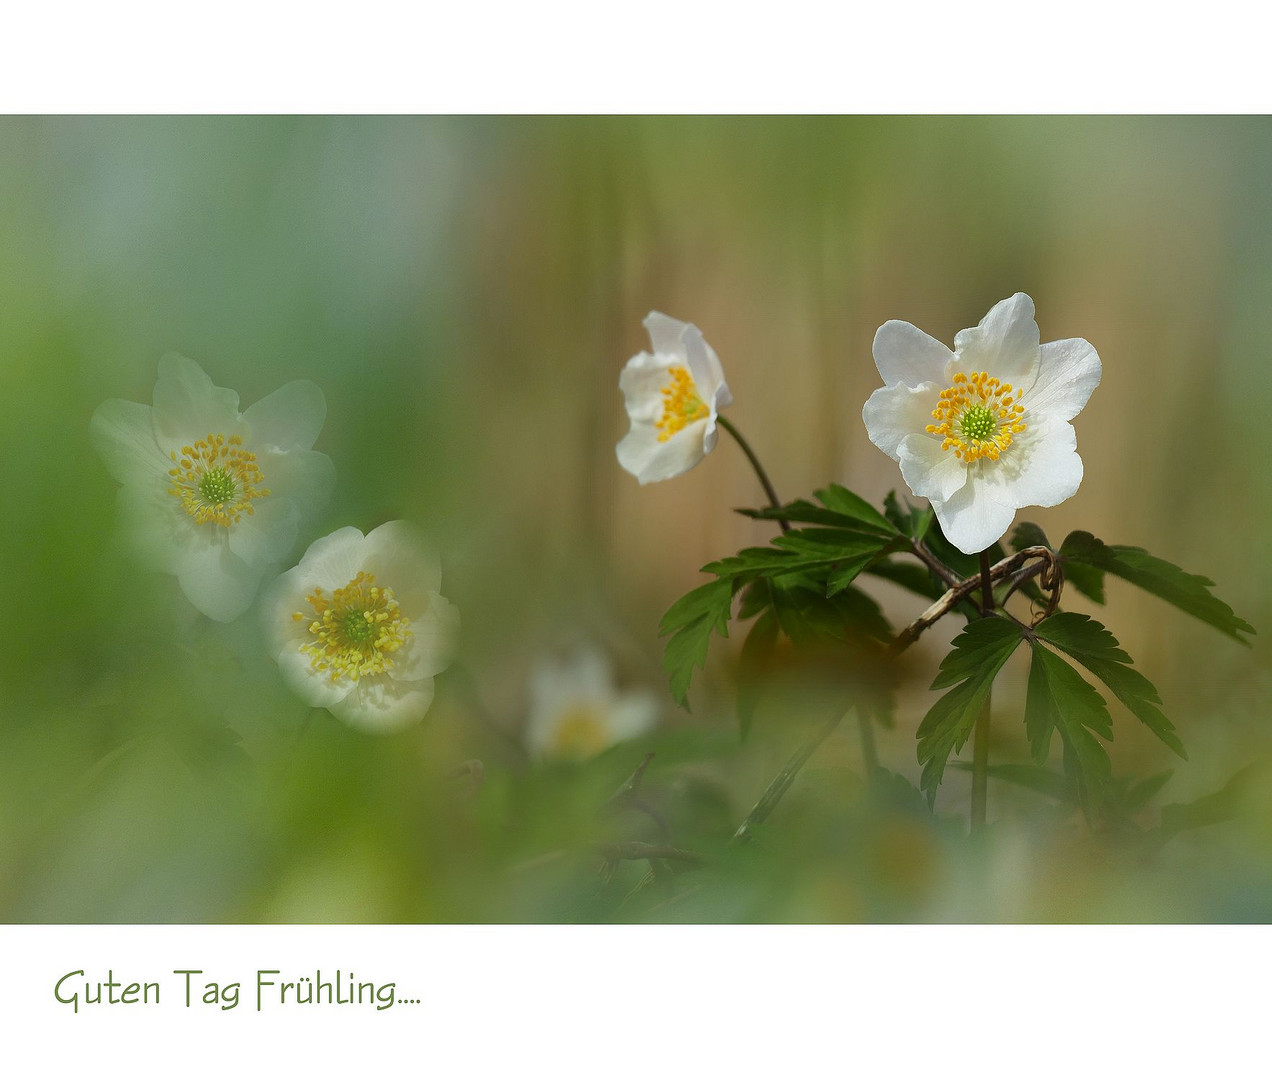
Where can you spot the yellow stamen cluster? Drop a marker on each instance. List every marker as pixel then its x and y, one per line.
pixel 681 404
pixel 580 732
pixel 356 630
pixel 216 480
pixel 978 416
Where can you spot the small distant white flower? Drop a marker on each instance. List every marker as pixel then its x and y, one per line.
pixel 983 430
pixel 360 628
pixel 673 396
pixel 212 495
pixel 576 711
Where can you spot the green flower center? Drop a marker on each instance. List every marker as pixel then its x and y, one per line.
pixel 357 627
pixel 977 423
pixel 216 486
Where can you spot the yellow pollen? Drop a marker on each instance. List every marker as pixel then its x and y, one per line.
pixel 977 416
pixel 216 480
pixel 580 732
pixel 355 631
pixel 681 404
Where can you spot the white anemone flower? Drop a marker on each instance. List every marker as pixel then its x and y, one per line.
pixel 212 495
pixel 673 397
pixel 983 430
pixel 360 628
pixel 576 711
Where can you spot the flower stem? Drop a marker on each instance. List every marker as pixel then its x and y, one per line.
pixel 980 744
pixel 767 484
pixel 783 780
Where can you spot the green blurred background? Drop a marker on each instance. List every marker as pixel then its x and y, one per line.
pixel 466 292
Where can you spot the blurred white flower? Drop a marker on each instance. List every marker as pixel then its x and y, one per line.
pixel 360 628
pixel 983 430
pixel 212 495
pixel 673 396
pixel 576 711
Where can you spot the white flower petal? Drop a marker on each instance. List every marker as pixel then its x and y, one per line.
pixel 290 418
pixel 929 471
pixel 642 454
pixel 905 355
pixel 633 714
pixel 704 366
pixel 283 598
pixel 893 412
pixel 188 406
pixel 1068 371
pixel 332 561
pixel 1041 468
pixel 122 434
pixel 268 533
pixel 972 519
pixel 159 531
pixel 642 381
pixel 434 636
pixel 1004 343
pixel 305 477
pixel 220 584
pixel 382 705
pixel 664 335
pixel 399 556
pixel 313 687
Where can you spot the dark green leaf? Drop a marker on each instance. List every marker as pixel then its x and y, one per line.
pixel 1059 698
pixel 977 646
pixel 1027 534
pixel 1086 579
pixel 1097 650
pixel 918 579
pixel 863 614
pixel 842 501
pixel 839 508
pixel 1188 592
pixel 714 599
pixel 977 655
pixel 691 621
pixel 757 655
pixel 802 511
pixel 912 521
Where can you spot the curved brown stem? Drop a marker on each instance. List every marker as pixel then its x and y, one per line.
pixel 965 588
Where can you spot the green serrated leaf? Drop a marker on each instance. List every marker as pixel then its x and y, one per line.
pixel 757 654
pixel 802 511
pixel 710 599
pixel 976 646
pixel 755 598
pixel 917 579
pixel 850 505
pixel 1027 534
pixel 914 522
pixel 1188 592
pixel 1058 698
pixel 863 614
pixel 1097 650
pixel 691 621
pixel 839 509
pixel 976 656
